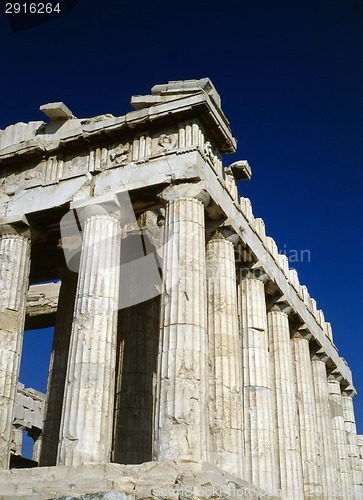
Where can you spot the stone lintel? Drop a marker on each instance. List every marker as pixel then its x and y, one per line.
pixel 240 170
pixel 14 219
pixel 182 87
pixel 186 190
pixel 15 225
pixel 56 111
pixel 107 200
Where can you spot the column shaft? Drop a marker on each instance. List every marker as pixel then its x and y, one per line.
pixel 291 479
pixel 14 276
pixel 258 409
pixel 181 420
pixel 87 415
pixel 339 436
pixel 325 441
pixel 353 452
pixel 307 416
pixel 225 381
pixel 58 369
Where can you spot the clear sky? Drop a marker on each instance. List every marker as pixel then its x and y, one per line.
pixel 290 77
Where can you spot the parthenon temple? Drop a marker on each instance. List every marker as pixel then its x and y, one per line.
pixel 187 356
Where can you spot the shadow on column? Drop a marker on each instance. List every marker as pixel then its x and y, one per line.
pixel 58 369
pixel 137 364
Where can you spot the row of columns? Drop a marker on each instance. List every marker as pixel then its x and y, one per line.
pixel 231 386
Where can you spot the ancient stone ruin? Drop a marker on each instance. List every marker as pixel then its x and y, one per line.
pixel 187 357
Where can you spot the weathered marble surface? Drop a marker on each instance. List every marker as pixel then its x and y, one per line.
pixel 307 411
pixel 225 377
pixel 42 299
pixel 352 443
pixel 287 430
pixel 87 415
pixel 181 413
pixel 286 414
pixel 14 276
pixel 151 480
pixel 261 466
pixel 340 438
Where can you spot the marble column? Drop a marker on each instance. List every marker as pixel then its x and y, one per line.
pixel 16 440
pixel 289 453
pixel 87 415
pixel 181 416
pixel 307 413
pixel 339 435
pixel 14 279
pixel 37 445
pixel 353 451
pixel 325 441
pixel 139 327
pixel 260 454
pixel 225 374
pixel 58 369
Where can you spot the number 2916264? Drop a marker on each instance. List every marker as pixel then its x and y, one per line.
pixel 32 8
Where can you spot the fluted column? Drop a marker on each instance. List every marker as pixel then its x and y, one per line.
pixel 14 278
pixel 291 478
pixel 58 369
pixel 87 415
pixel 353 451
pixel 307 413
pixel 225 379
pixel 137 365
pixel 326 449
pixel 339 435
pixel 360 453
pixel 258 407
pixel 181 417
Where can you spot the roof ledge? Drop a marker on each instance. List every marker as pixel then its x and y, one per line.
pixel 57 111
pixel 176 89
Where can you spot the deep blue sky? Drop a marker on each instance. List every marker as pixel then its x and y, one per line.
pixel 290 78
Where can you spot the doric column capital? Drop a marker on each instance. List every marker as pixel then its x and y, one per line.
pixel 226 233
pixel 256 271
pixel 187 190
pixel 85 213
pixel 349 391
pixel 334 375
pixel 100 205
pixel 15 226
pixel 302 333
pixel 282 305
pixel 319 354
